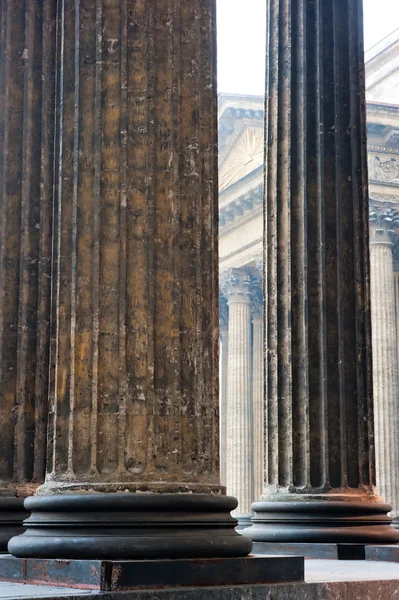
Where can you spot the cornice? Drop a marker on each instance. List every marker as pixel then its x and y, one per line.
pixel 383 149
pixel 246 207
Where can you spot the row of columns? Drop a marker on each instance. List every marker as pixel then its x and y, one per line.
pixel 246 387
pixel 125 153
pixel 383 222
pixel 242 394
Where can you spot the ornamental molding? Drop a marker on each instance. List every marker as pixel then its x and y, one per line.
pixel 390 198
pixel 380 109
pixel 229 129
pixel 241 210
pixel 383 149
pixel 383 170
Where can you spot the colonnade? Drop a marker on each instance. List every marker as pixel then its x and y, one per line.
pixel 384 222
pixel 109 286
pixel 242 394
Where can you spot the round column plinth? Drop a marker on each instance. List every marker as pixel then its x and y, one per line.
pixel 322 522
pixel 130 526
pixel 244 521
pixel 12 514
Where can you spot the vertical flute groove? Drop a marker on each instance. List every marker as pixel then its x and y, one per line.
pixel 134 393
pixel 26 48
pixel 317 314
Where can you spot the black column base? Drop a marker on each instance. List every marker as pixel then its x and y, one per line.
pixel 12 514
pixel 322 522
pixel 130 526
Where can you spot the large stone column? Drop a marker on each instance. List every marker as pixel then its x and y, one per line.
pixel 320 473
pixel 385 356
pixel 224 342
pixel 27 38
pixel 133 461
pixel 239 418
pixel 258 401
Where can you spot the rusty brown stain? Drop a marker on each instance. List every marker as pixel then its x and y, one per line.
pixel 134 371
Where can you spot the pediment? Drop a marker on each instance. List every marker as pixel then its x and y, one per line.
pixel 243 154
pixel 382 70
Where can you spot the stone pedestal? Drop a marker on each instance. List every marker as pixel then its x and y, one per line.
pixel 239 416
pixel 133 461
pixel 385 356
pixel 27 37
pixel 320 476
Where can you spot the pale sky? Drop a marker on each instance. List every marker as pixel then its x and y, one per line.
pixel 241 40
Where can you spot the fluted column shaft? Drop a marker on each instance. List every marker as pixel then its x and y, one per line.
pixel 385 356
pixel 134 387
pixel 239 424
pixel 224 343
pixel 27 38
pixel 258 404
pixel 320 477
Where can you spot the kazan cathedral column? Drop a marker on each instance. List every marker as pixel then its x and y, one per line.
pixel 383 222
pixel 242 408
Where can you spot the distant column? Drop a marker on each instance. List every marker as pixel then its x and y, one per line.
pixel 385 355
pixel 258 404
pixel 224 343
pixel 239 432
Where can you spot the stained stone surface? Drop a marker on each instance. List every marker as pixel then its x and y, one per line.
pixel 320 437
pixel 134 375
pixel 326 581
pixel 27 40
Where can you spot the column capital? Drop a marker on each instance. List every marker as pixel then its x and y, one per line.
pixel 237 284
pixel 383 220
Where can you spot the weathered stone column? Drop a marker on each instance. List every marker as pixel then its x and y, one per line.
pixel 385 357
pixel 27 37
pixel 133 461
pixel 258 403
pixel 320 473
pixel 224 341
pixel 239 419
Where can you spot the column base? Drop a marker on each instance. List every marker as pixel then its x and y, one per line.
pixel 130 526
pixel 322 522
pixel 12 514
pixel 244 521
